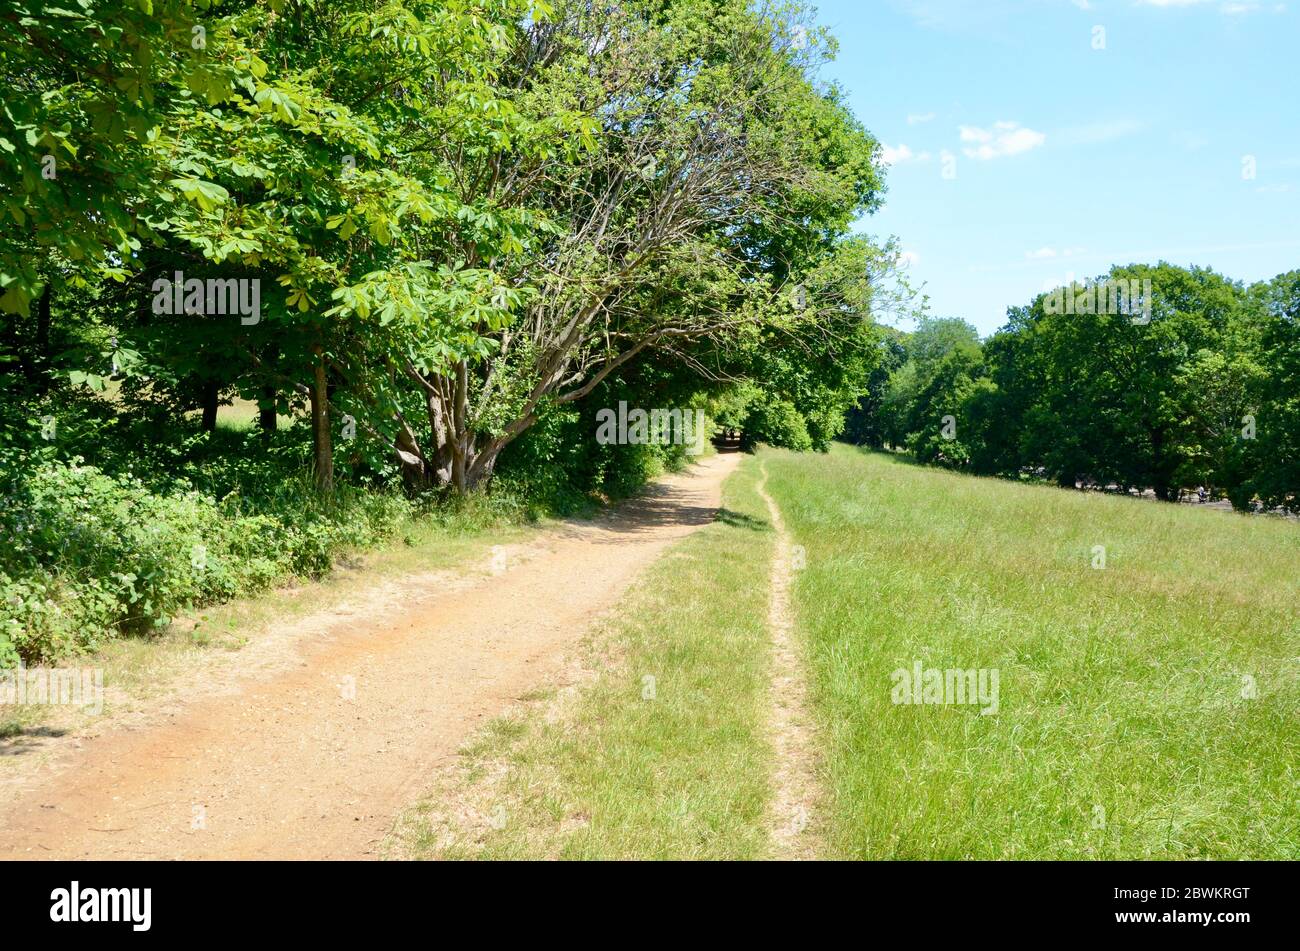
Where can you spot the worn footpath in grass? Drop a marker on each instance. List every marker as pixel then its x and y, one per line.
pixel 1149 708
pixel 659 751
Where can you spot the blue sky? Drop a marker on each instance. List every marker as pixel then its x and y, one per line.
pixel 1069 158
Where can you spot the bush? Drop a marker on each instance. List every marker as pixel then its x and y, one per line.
pixel 558 467
pixel 778 423
pixel 92 554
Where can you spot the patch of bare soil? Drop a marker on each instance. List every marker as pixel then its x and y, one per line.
pixel 315 737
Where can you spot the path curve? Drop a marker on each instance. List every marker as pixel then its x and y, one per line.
pixel 317 759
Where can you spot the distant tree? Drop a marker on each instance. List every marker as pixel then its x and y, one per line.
pixel 1104 396
pixel 1200 391
pixel 1265 461
pixel 865 422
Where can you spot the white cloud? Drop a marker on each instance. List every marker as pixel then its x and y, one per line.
pixel 893 156
pixel 907 258
pixel 1279 189
pixel 916 118
pixel 1003 139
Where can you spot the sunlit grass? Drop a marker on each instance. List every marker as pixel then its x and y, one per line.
pixel 1126 726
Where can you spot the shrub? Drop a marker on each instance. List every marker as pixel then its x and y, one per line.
pixel 92 554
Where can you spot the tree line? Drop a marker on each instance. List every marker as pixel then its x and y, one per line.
pixel 461 220
pixel 1199 388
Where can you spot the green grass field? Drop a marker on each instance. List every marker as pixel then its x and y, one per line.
pixel 1148 709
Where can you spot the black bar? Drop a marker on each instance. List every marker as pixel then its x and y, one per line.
pixel 942 901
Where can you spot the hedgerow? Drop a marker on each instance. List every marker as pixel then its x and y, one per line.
pixel 91 555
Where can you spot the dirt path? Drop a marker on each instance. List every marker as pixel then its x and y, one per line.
pixel 314 757
pixel 791 816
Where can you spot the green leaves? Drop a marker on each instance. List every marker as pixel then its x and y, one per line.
pixel 211 82
pixel 207 195
pixel 346 225
pixel 430 189
pixel 279 102
pixel 94 381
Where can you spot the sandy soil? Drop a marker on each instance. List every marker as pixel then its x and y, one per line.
pixel 312 747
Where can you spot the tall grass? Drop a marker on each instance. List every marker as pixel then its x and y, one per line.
pixel 1148 709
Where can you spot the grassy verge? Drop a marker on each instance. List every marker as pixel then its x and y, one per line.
pixel 624 766
pixel 1147 709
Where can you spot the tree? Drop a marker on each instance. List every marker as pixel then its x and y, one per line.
pixel 1265 459
pixel 865 423
pixel 668 233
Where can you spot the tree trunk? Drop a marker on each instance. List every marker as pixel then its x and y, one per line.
pixel 211 396
pixel 42 361
pixel 1162 483
pixel 481 472
pixel 266 413
pixel 322 449
pixel 458 457
pixel 415 470
pixel 440 460
pixel 463 443
pixel 458 479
